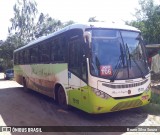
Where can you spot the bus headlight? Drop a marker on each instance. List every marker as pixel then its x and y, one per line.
pixel 100 93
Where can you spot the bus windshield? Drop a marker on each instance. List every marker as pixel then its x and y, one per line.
pixel 117 54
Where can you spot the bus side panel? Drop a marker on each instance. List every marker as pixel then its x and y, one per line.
pixel 42 77
pixel 77 92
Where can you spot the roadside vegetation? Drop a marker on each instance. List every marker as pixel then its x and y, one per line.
pixel 148 21
pixel 27 24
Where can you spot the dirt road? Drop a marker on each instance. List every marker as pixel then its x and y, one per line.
pixel 29 108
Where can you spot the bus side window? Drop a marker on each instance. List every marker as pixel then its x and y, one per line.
pixel 27 56
pixel 54 49
pixel 18 58
pixel 77 58
pixel 74 57
pixel 84 64
pixel 21 57
pixel 62 48
pixel 57 50
pixel 56 56
pixel 34 54
pixel 44 52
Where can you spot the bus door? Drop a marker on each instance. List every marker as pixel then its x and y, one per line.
pixel 76 73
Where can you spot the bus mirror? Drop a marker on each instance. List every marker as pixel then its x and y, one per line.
pixel 87 37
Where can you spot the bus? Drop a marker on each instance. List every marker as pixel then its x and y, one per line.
pixel 95 67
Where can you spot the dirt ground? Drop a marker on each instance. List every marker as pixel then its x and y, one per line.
pixel 29 108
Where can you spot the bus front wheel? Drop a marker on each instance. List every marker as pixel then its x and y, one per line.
pixel 62 98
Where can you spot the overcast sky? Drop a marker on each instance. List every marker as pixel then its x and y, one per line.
pixel 76 10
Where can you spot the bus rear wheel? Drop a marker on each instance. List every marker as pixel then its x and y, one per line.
pixel 62 98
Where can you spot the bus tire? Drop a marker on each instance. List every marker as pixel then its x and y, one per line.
pixel 62 98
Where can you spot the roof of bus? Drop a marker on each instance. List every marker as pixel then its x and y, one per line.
pixel 83 27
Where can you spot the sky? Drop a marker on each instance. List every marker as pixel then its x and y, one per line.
pixel 76 10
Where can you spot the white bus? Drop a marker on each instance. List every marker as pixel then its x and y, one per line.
pixel 96 67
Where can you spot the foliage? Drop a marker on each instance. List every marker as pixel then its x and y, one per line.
pixel 92 19
pixel 46 25
pixel 68 23
pixel 148 21
pixel 26 26
pixel 23 21
pixel 6 53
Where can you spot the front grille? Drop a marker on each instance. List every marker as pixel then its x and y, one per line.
pixel 127 104
pixel 122 86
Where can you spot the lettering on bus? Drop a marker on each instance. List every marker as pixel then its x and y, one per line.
pixel 141 89
pixel 106 70
pixel 120 92
pixel 40 71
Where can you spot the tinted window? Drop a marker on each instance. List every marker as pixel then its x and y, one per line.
pixel 58 50
pixel 34 54
pixel 104 33
pixel 44 52
pixel 74 56
pixel 21 57
pixel 27 56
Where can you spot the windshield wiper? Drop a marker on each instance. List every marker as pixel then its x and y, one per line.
pixel 122 54
pixel 119 62
pixel 117 68
pixel 131 57
pixel 95 64
pixel 137 66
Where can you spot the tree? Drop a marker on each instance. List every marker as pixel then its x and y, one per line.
pixel 68 23
pixel 23 21
pixel 25 28
pixel 24 25
pixel 46 25
pixel 92 19
pixel 6 52
pixel 148 21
